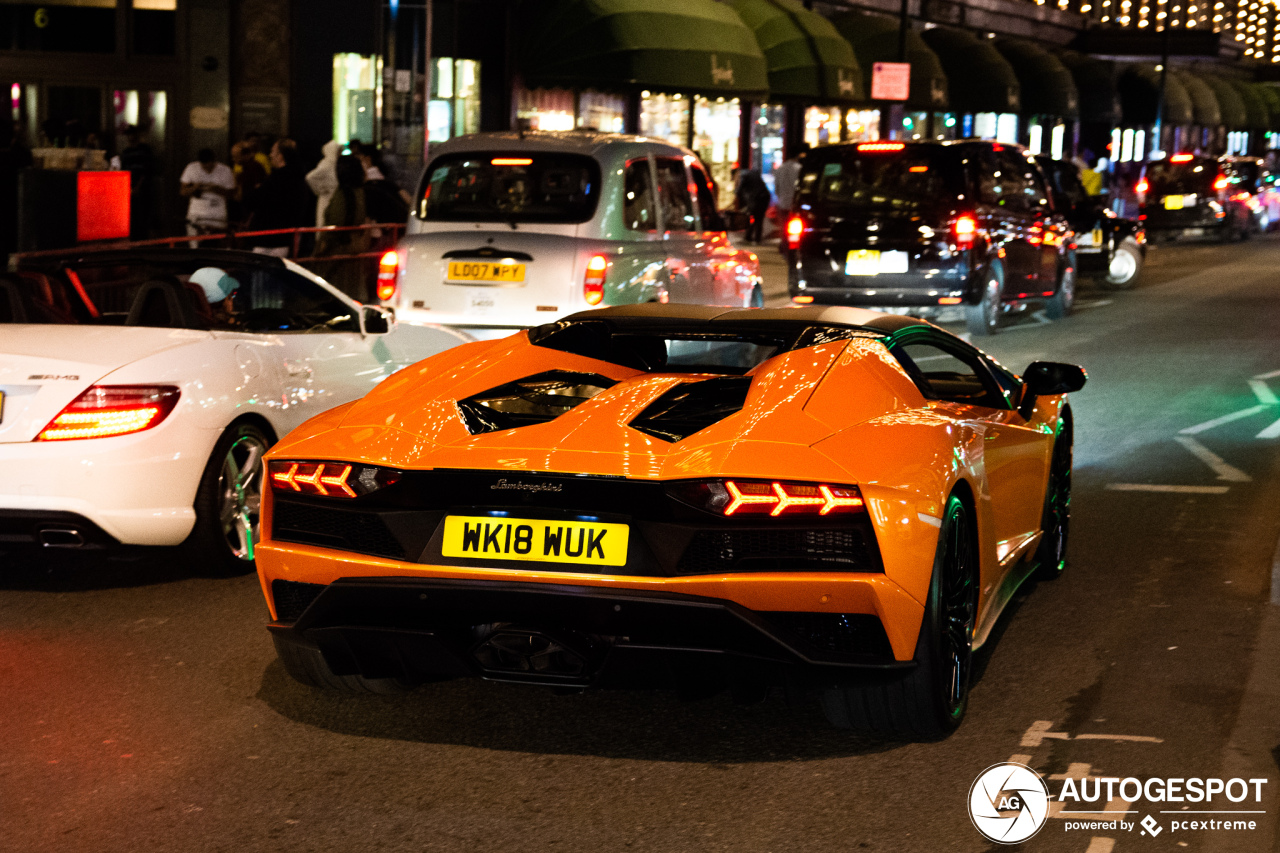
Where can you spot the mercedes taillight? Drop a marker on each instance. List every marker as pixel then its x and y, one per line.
pixel 103 411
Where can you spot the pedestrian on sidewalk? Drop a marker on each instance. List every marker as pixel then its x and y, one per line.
pixel 346 208
pixel 207 184
pixel 784 182
pixel 751 194
pixel 323 179
pixel 283 201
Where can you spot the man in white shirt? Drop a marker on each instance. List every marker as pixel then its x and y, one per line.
pixel 207 184
pixel 784 182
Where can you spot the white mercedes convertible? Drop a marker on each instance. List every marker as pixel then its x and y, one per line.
pixel 139 390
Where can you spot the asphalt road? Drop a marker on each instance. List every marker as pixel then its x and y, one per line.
pixel 141 706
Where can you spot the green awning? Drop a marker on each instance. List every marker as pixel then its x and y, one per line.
pixel 1047 86
pixel 1204 104
pixel 1140 92
pixel 1256 116
pixel 981 80
pixel 807 59
pixel 875 39
pixel 1096 81
pixel 1229 102
pixel 1271 95
pixel 694 46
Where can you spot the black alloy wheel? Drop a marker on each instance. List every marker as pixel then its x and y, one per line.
pixel 983 317
pixel 929 701
pixel 1056 524
pixel 1060 305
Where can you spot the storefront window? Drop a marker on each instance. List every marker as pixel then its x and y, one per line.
pixel 600 111
pixel 862 125
pixel 664 117
pixel 148 111
pixel 1057 140
pixel 23 109
pixel 717 127
pixel 821 125
pixel 1007 128
pixel 915 125
pixel 768 124
pixel 945 126
pixel 545 109
pixel 357 96
pixel 455 99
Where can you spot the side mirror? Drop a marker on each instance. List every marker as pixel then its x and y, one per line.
pixel 377 321
pixel 1045 378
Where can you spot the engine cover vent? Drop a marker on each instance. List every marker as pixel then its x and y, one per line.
pixel 693 406
pixel 532 400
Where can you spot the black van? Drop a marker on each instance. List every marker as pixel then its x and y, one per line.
pixel 916 224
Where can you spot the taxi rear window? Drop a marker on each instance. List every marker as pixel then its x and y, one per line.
pixel 879 178
pixel 1196 176
pixel 504 187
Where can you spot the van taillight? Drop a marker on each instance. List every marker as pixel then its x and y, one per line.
pixel 1221 182
pixel 965 228
pixel 593 281
pixel 388 266
pixel 1142 186
pixel 795 230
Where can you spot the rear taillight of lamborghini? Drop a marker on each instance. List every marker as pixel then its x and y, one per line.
pixel 774 498
pixel 328 479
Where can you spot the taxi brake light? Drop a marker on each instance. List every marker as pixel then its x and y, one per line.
pixel 388 266
pixel 1142 186
pixel 511 161
pixel 1221 182
pixel 881 146
pixel 965 229
pixel 795 230
pixel 1181 158
pixel 593 281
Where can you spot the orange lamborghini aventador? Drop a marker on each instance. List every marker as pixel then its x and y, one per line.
pixel 829 499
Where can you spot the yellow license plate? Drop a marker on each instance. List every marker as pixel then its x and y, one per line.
pixel 1173 202
pixel 1 407
pixel 489 538
pixel 501 273
pixel 1097 236
pixel 862 262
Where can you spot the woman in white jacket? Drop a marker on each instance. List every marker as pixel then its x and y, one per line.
pixel 323 179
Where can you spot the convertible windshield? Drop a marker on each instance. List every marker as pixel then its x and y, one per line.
pixel 183 294
pixel 497 187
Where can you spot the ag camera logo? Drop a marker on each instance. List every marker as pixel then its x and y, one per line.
pixel 1008 803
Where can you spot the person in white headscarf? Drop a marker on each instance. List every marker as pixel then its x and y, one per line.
pixel 323 179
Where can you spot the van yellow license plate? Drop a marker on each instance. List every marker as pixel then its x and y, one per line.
pixel 496 538
pixel 1173 202
pixel 862 262
pixel 498 273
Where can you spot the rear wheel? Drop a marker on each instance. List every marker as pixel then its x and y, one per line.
pixel 930 701
pixel 756 299
pixel 228 500
pixel 1065 299
pixel 983 318
pixel 1125 265
pixel 1051 555
pixel 307 665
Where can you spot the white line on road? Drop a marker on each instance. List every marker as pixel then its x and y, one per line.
pixel 1100 845
pixel 1177 490
pixel 1091 303
pixel 1272 375
pixel 1038 732
pixel 1264 394
pixel 1130 738
pixel 1224 471
pixel 1225 419
pixel 1272 431
pixel 1228 811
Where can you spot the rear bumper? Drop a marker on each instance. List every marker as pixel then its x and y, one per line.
pixel 922 286
pixel 51 529
pixel 424 629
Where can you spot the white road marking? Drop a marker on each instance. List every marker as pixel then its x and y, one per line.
pixel 1039 731
pixel 1224 471
pixel 1098 844
pixel 1272 431
pixel 1177 490
pixel 1039 317
pixel 1129 738
pixel 1265 395
pixel 1272 375
pixel 1225 419
pixel 1092 303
